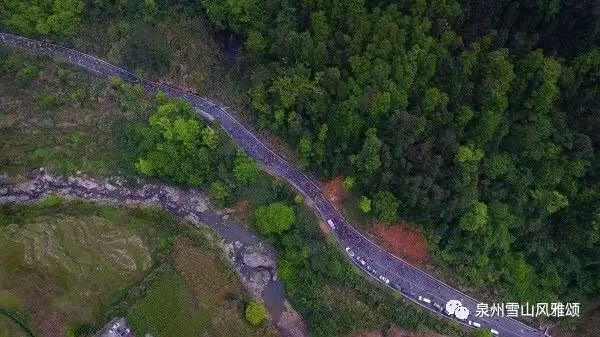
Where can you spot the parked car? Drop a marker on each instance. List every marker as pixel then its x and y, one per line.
pixel 475 324
pixel 349 251
pixel 384 279
pixel 424 299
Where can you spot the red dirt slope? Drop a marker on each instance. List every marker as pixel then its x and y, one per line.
pixel 402 241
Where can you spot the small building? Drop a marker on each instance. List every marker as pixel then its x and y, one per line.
pixel 117 327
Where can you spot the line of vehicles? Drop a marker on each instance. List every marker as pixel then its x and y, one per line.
pixel 452 308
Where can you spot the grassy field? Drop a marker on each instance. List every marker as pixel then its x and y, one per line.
pixel 56 116
pixel 195 294
pixel 70 268
pixel 167 309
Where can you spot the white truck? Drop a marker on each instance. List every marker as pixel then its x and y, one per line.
pixel 331 224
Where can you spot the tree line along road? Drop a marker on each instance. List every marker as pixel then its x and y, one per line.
pixel 413 283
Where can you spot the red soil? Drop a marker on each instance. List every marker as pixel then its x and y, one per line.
pixel 334 190
pixel 402 241
pixel 399 239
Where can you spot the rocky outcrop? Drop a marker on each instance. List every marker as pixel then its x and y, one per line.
pixel 259 256
pixel 256 263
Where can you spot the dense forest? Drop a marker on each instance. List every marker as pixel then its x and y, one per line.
pixel 474 120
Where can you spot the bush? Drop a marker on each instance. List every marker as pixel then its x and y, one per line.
pixel 27 75
pixel 219 191
pixel 52 200
pixel 255 313
pixel 245 169
pixel 49 102
pixel 165 244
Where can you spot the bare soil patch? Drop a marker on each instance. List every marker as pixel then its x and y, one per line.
pixel 402 241
pixel 334 190
pixel 241 211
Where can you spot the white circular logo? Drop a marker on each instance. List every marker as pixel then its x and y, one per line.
pixel 452 305
pixel 461 313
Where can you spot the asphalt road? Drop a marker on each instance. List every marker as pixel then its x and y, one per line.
pixel 369 257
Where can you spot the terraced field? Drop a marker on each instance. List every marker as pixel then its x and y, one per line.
pixel 60 270
pixel 66 268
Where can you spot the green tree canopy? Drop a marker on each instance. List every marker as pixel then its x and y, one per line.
pixel 56 18
pixel 255 313
pixel 365 204
pixel 385 205
pixel 171 145
pixel 245 169
pixel 475 218
pixel 274 218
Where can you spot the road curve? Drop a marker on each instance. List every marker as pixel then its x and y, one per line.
pixel 411 282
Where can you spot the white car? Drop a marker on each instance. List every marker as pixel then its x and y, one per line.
pixel 384 279
pixel 475 324
pixel 349 251
pixel 494 332
pixel 424 299
pixel 361 260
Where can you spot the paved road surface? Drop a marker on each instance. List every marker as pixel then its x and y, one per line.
pixel 369 257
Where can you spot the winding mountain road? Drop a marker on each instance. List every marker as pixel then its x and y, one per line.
pixel 412 282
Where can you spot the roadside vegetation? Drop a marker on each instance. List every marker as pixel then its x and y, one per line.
pixel 54 115
pixel 61 276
